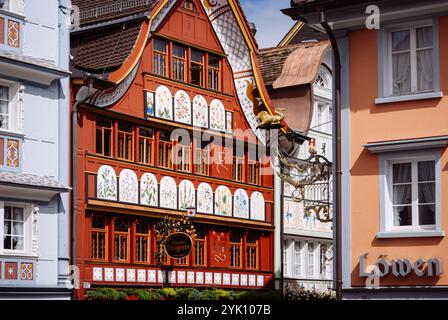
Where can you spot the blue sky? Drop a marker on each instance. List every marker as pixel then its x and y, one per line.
pixel 272 25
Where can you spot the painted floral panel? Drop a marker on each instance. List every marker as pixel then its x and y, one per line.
pixel 164 103
pixel 292 211
pixel 205 197
pixel 106 183
pixel 187 196
pixel 241 204
pixel 168 193
pixel 128 186
pixel 223 201
pixel 148 190
pixel 200 112
pixel 257 207
pixel 182 107
pixel 217 116
pixel 149 103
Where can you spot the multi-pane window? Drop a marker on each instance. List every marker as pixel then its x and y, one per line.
pixel 5 4
pixel 311 259
pixel 235 249
pixel 412 60
pixel 197 68
pixel 238 164
pixel 214 72
pixel 160 57
pixel 183 156
pixel 125 141
pixel 104 136
pixel 179 62
pixel 165 150
pixel 121 239
pixel 189 5
pixel 14 229
pixel 5 105
pixel 99 238
pixel 200 248
pixel 254 168
pixel 413 189
pixel 297 258
pixel 146 146
pixel 251 251
pixel 142 241
pixel 286 245
pixel 202 161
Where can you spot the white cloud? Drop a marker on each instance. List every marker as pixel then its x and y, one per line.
pixel 271 23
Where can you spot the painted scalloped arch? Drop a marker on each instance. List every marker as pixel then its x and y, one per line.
pixel 128 183
pixel 223 201
pixel 200 112
pixel 257 206
pixel 217 116
pixel 149 190
pixel 168 193
pixel 205 194
pixel 182 107
pixel 164 103
pixel 106 183
pixel 187 195
pixel 241 204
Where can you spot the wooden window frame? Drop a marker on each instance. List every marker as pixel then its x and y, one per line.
pixel 130 144
pixel 162 55
pixel 204 257
pixel 202 167
pixel 252 246
pixel 146 141
pixel 148 242
pixel 236 165
pixel 241 248
pixel 182 60
pixel 184 162
pixel 214 70
pixel 111 132
pixel 165 158
pixel 104 231
pixel 202 65
pixel 128 242
pixel 254 172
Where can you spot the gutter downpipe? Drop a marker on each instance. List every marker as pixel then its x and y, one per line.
pixel 73 177
pixel 337 172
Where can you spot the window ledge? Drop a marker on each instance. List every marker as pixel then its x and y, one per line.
pixel 409 234
pixel 410 97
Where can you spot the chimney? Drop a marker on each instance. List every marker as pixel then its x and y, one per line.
pixel 253 28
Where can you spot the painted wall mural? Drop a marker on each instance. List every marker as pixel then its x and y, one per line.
pixel 164 103
pixel 128 186
pixel 205 194
pixel 148 190
pixel 241 204
pixel 231 37
pixel 223 201
pixel 217 116
pixel 149 103
pixel 200 112
pixel 168 193
pixel 182 107
pixel 187 197
pixel 292 210
pixel 258 206
pixel 106 183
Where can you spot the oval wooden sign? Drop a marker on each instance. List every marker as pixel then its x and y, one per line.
pixel 178 245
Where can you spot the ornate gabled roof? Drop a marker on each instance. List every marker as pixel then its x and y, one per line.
pixel 307 58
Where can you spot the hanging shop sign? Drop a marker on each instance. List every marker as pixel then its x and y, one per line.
pixel 401 267
pixel 178 245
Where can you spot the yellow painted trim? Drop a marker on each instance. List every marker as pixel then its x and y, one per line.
pixel 291 34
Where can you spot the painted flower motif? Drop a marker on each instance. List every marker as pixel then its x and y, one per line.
pixel 106 183
pixel 148 190
pixel 186 195
pixel 241 204
pixel 205 197
pixel 200 112
pixel 223 201
pixel 164 103
pixel 182 107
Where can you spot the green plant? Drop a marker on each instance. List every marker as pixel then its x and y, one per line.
pixel 148 294
pixel 257 295
pixel 167 293
pixel 106 294
pixel 188 294
pixel 216 294
pixel 303 294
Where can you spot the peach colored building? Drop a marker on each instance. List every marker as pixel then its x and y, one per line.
pixel 394 155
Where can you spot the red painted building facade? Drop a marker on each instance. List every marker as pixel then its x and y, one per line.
pixel 155 69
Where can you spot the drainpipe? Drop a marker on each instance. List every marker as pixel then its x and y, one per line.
pixel 337 172
pixel 81 97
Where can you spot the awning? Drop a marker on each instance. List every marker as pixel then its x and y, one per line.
pixel 18 185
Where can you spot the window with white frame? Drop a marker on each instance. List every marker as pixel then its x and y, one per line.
pixel 16 231
pixel 9 106
pixel 12 6
pixel 311 260
pixel 322 116
pixel 286 246
pixel 298 260
pixel 409 59
pixel 412 187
